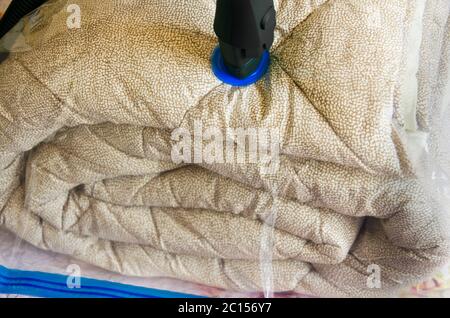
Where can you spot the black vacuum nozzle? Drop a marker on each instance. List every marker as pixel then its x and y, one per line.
pixel 245 29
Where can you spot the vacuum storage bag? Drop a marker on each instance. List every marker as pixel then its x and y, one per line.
pixel 124 159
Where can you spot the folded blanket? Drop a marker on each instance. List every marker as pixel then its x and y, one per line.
pixel 90 118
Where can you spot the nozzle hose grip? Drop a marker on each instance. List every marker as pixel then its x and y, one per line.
pixel 245 29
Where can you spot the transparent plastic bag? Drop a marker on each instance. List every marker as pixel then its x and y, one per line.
pixel 97 101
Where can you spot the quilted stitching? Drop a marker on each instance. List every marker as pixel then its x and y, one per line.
pixel 86 122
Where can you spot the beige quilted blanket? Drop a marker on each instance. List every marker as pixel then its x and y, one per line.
pixel 87 123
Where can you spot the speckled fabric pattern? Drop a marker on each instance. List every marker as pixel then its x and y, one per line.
pixel 86 118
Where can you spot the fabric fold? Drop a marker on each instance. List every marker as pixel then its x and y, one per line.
pixel 90 119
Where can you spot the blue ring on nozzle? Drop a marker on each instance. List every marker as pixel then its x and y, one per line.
pixel 221 72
